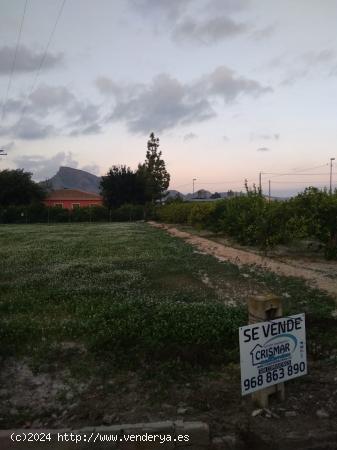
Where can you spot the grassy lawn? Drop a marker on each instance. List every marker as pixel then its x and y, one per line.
pixel 107 310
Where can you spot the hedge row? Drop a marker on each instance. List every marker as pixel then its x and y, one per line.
pixel 38 213
pixel 253 220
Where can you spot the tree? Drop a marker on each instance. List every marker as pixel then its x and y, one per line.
pixel 121 185
pixel 18 188
pixel 154 170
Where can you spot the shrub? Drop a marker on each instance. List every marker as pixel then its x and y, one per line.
pixel 128 212
pixel 200 214
pixel 175 212
pixel 252 220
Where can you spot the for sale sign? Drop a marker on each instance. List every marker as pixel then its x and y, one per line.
pixel 272 352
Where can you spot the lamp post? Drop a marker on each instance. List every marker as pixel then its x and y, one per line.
pixel 2 152
pixel 194 179
pixel 331 159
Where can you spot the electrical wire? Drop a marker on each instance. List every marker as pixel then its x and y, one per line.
pixel 300 182
pixel 221 182
pixel 294 174
pixel 40 66
pixel 14 61
pixel 310 168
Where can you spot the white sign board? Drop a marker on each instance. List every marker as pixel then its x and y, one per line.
pixel 272 352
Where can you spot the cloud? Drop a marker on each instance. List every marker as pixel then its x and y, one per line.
pixel 190 136
pixel 263 149
pixel 166 102
pixel 308 64
pixel 45 99
pixel 48 105
pixel 42 167
pixel 88 130
pixel 27 60
pixel 264 137
pixel 225 138
pixel 223 82
pixel 107 86
pixel 7 147
pixel 121 91
pixel 199 21
pixel 208 31
pixel 168 10
pixel 163 104
pixel 321 56
pixel 28 128
pixel 333 71
pixel 263 33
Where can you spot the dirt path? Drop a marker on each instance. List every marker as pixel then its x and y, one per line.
pixel 242 257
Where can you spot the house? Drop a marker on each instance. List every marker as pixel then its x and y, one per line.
pixel 72 198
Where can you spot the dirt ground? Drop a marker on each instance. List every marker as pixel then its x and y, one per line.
pixel 56 400
pixel 318 273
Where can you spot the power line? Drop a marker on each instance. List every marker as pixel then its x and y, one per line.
pixel 300 182
pixel 221 182
pixel 14 60
pixel 38 71
pixel 293 174
pixel 211 182
pixel 310 168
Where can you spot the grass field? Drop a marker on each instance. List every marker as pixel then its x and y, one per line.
pixel 128 287
pixel 103 308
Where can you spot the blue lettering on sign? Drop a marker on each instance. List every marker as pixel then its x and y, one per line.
pixel 275 349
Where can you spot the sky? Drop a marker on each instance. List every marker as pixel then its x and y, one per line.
pixel 231 87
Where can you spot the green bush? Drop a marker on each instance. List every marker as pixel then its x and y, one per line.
pixel 252 220
pixel 200 214
pixel 128 212
pixel 39 213
pixel 175 212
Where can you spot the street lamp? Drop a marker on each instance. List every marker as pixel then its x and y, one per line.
pixel 194 179
pixel 2 152
pixel 331 159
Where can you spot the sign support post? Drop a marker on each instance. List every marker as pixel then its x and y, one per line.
pixel 261 309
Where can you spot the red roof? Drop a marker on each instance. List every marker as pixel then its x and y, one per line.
pixel 72 194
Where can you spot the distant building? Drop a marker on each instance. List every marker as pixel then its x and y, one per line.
pixel 72 198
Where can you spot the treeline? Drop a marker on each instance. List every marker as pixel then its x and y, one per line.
pixel 253 220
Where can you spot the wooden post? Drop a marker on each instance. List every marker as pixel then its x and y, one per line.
pixel 262 308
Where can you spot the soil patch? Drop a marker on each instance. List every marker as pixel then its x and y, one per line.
pixel 313 273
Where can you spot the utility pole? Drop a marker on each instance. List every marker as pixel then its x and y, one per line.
pixel 331 159
pixel 194 179
pixel 260 183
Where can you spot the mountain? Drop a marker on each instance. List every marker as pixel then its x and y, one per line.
pixel 69 178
